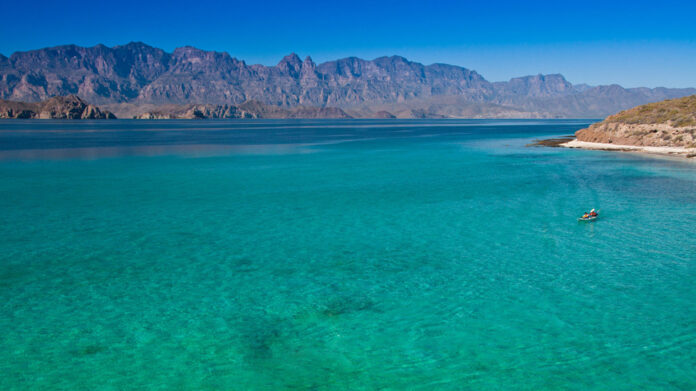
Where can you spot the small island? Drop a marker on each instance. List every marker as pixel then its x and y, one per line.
pixel 667 128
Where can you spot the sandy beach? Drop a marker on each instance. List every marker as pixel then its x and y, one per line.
pixel 664 151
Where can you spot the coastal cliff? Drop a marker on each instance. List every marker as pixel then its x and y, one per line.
pixel 59 107
pixel 669 123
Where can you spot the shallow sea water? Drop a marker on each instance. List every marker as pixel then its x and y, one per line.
pixel 340 255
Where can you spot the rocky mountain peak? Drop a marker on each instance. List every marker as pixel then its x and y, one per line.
pixel 349 67
pixel 290 64
pixel 392 59
pixel 307 62
pixel 292 59
pixel 189 60
pixel 308 68
pixel 188 52
pixel 136 45
pixel 538 86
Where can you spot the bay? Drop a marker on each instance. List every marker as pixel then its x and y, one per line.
pixel 340 255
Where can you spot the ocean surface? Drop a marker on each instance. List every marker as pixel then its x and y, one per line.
pixel 340 255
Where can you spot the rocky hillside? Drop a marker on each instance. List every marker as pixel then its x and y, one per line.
pixel 143 75
pixel 669 123
pixel 59 107
pixel 250 109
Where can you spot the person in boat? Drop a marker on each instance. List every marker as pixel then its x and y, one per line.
pixel 593 213
pixel 586 215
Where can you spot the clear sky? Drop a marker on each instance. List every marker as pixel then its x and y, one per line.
pixel 632 43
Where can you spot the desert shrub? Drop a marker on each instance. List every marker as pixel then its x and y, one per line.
pixel 680 112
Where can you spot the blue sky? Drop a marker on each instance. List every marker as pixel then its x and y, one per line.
pixel 630 43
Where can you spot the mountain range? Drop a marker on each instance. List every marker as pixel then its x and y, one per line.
pixel 126 79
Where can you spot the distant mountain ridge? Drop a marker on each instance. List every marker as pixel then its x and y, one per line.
pixel 139 74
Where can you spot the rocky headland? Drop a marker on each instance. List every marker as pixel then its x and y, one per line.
pixel 666 127
pixel 59 107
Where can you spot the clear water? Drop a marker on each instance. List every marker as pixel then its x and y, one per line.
pixel 340 255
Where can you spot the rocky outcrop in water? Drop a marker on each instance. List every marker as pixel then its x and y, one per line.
pixel 141 75
pixel 59 107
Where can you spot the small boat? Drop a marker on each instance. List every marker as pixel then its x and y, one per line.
pixel 591 218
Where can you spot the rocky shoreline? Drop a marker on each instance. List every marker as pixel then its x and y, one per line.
pixel 572 142
pixel 689 153
pixel 552 142
pixel 642 135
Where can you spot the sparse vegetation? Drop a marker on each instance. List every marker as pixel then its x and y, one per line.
pixel 676 112
pixel 670 123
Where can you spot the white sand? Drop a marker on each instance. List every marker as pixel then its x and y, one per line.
pixel 630 148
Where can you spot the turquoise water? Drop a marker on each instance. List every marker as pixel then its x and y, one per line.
pixel 340 255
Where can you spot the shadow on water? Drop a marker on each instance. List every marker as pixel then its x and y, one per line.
pixel 88 350
pixel 11 275
pixel 259 334
pixel 343 305
pixel 266 334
